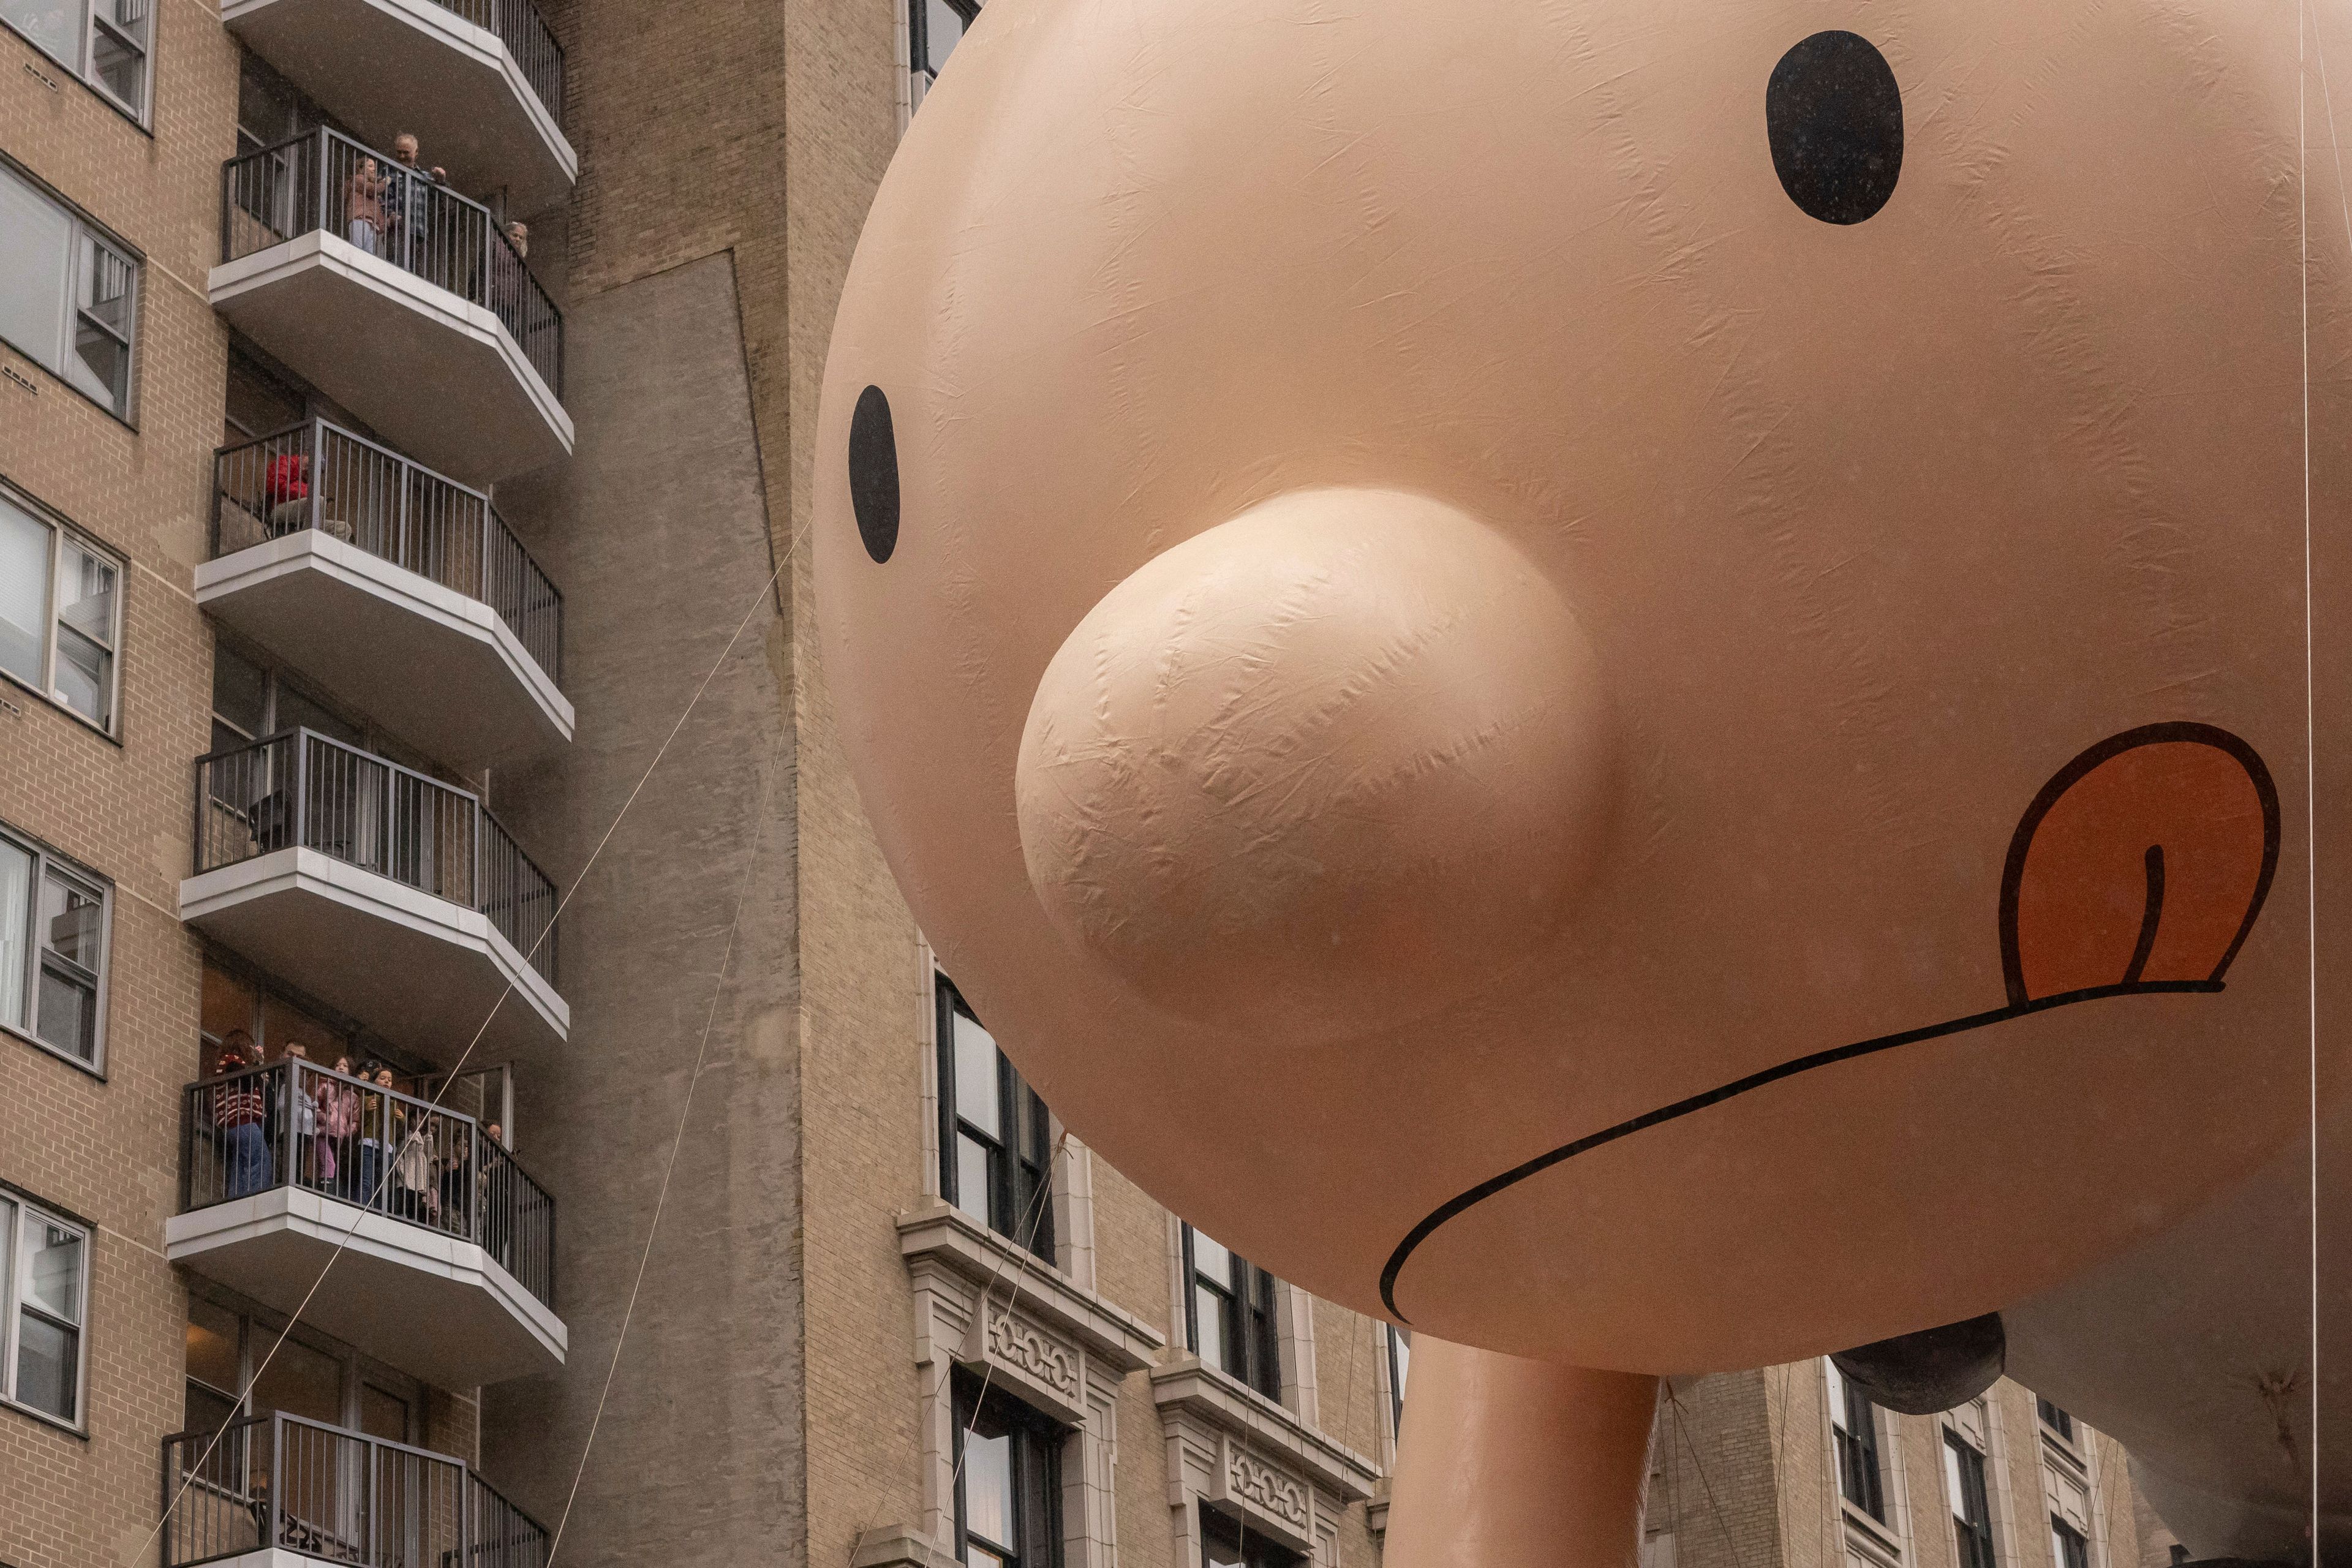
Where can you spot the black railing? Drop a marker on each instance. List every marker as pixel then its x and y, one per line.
pixel 525 32
pixel 323 180
pixel 280 1482
pixel 319 475
pixel 301 789
pixel 295 1124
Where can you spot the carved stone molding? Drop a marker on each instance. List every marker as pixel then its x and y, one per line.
pixel 1014 1341
pixel 1232 1448
pixel 984 1304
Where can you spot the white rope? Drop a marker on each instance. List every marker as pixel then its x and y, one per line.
pixel 2310 728
pixel 344 1240
pixel 678 1141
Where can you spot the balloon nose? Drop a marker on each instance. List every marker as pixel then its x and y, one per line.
pixel 1327 766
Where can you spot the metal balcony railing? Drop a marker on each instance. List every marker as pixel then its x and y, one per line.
pixel 525 35
pixel 294 1124
pixel 320 476
pixel 301 789
pixel 323 180
pixel 280 1482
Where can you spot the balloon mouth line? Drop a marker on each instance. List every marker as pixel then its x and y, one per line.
pixel 2130 981
pixel 1454 1207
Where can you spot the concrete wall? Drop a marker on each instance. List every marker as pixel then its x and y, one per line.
pixel 657 534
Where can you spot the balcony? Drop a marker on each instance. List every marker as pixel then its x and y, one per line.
pixel 274 1490
pixel 402 593
pixel 447 1268
pixel 479 82
pixel 399 299
pixel 386 894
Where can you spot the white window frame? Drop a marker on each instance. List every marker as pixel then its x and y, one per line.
pixel 85 69
pixel 60 532
pixel 45 863
pixel 18 1214
pixel 81 236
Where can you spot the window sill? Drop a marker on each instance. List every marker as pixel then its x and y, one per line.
pixel 43 1419
pixel 92 1070
pixel 47 701
pixel 102 96
pixel 54 379
pixel 900 1547
pixel 1877 1540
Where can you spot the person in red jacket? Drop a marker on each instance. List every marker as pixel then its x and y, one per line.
pixel 285 490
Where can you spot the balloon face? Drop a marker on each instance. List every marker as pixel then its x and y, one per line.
pixel 1562 669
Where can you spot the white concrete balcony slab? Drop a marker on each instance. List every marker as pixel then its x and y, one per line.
pixel 389 896
pixel 435 1307
pixel 479 83
pixel 399 591
pixel 398 298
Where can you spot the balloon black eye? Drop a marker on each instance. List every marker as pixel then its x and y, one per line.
pixel 874 474
pixel 1834 115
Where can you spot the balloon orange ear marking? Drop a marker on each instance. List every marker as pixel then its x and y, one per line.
pixel 2144 860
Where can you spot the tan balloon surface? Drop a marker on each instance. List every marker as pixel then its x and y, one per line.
pixel 1484 703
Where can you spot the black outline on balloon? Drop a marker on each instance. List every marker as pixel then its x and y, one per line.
pixel 2020 1004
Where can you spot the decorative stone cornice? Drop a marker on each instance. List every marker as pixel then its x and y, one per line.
pixel 938 1240
pixel 1188 1387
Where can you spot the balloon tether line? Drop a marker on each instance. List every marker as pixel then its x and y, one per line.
pixel 506 990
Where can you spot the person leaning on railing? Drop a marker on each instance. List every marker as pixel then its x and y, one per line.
pixel 364 211
pixel 240 1112
pixel 339 1118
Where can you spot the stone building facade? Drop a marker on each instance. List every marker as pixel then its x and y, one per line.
pixel 407 623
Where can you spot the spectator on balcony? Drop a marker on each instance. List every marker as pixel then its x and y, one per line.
pixel 286 491
pixel 375 1123
pixel 301 1093
pixel 494 1186
pixel 240 1115
pixel 411 209
pixel 339 1118
pixel 364 212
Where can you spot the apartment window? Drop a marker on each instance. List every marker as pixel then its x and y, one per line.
pixel 1854 1432
pixel 61 611
pixel 1400 1364
pixel 1964 1479
pixel 2056 1419
pixel 53 932
pixel 44 1287
pixel 68 297
pixel 104 42
pixel 996 1151
pixel 1225 1544
pixel 2069 1550
pixel 1008 1467
pixel 1229 1313
pixel 935 27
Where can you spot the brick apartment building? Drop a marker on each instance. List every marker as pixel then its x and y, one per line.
pixel 367 532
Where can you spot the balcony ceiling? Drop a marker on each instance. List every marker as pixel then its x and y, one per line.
pixel 442 672
pixel 421 970
pixel 429 1304
pixel 435 377
pixel 383 66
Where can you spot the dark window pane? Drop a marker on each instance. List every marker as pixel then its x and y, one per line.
pixel 47 1369
pixel 119 67
pixel 69 1013
pixel 240 692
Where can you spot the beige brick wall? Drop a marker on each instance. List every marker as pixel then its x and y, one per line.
pixel 107 1151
